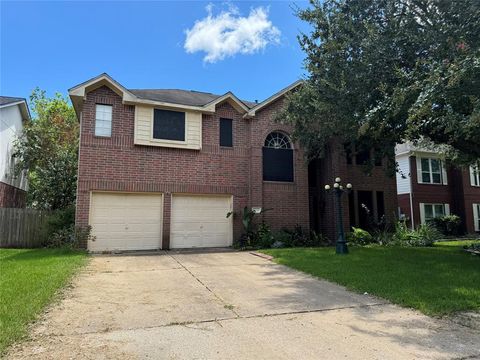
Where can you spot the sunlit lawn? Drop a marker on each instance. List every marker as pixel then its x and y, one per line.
pixel 29 280
pixel 436 280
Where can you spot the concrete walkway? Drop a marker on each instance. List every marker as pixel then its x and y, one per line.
pixel 230 305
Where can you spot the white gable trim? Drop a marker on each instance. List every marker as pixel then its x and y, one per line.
pixel 229 96
pixel 252 111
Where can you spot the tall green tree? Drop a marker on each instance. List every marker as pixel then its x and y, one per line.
pixel 48 148
pixel 384 71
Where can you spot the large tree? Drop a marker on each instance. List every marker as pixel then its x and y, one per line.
pixel 48 148
pixel 384 71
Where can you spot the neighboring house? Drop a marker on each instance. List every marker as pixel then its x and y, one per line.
pixel 13 114
pixel 162 168
pixel 428 187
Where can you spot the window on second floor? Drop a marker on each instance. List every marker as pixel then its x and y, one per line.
pixel 431 171
pixel 277 158
pixel 103 120
pixel 168 125
pixel 475 175
pixel 226 133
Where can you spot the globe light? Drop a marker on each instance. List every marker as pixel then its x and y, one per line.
pixel 327 187
pixel 336 185
pixel 338 179
pixel 349 186
pixel 341 187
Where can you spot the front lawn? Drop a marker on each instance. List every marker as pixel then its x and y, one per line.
pixel 29 280
pixel 436 280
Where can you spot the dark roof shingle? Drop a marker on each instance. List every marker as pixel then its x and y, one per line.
pixel 177 96
pixel 4 100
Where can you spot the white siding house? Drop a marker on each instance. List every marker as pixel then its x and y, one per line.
pixel 13 114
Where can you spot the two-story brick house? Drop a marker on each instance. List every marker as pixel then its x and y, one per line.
pixel 162 168
pixel 428 187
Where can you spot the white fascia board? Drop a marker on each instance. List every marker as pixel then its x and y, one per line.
pixel 252 111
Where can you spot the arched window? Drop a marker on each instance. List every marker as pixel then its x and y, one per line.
pixel 277 158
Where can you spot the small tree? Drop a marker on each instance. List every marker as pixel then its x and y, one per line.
pixel 48 148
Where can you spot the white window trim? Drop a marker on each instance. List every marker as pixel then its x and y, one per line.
pixel 475 175
pixel 443 171
pixel 476 217
pixel 97 108
pixel 446 210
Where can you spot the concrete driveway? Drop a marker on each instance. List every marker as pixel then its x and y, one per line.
pixel 230 305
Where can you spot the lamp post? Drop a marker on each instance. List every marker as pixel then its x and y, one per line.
pixel 341 244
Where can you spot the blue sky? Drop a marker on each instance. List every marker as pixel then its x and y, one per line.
pixel 56 45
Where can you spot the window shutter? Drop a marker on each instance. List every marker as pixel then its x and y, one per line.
pixel 447 209
pixel 472 176
pixel 419 170
pixel 422 213
pixel 476 217
pixel 444 173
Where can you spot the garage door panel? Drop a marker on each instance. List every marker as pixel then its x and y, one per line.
pixel 126 221
pixel 200 221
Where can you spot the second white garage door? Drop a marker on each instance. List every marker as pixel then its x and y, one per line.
pixel 122 221
pixel 200 221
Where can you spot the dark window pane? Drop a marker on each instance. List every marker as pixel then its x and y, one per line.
pixel 428 212
pixel 362 157
pixel 425 177
pixel 226 137
pixel 380 205
pixel 348 153
pixel 277 164
pixel 169 125
pixel 437 179
pixel 378 157
pixel 351 209
pixel 425 165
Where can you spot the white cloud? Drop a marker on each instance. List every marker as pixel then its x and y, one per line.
pixel 228 34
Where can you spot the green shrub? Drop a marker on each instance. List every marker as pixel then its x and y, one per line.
pixel 58 220
pixel 450 225
pixel 282 239
pixel 424 235
pixel 70 237
pixel 264 238
pixel 360 237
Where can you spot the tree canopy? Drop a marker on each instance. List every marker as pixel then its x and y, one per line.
pixel 382 72
pixel 48 148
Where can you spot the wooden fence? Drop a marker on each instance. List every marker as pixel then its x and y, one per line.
pixel 22 228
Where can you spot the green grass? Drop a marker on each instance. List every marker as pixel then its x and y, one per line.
pixel 29 280
pixel 438 280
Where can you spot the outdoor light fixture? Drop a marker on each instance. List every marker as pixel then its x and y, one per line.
pixel 341 244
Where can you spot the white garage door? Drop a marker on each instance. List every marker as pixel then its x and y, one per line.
pixel 126 221
pixel 200 221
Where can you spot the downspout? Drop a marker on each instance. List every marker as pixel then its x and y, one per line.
pixel 411 196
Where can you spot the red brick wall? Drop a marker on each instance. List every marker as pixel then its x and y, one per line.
pixel 459 194
pixel 12 197
pixel 116 164
pixel 471 195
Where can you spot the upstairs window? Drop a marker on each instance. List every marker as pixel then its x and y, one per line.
pixel 168 125
pixel 103 120
pixel 431 171
pixel 475 175
pixel 226 134
pixel 277 158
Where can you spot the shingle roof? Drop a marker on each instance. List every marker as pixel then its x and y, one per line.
pixel 4 100
pixel 176 96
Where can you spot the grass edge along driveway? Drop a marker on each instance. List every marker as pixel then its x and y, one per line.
pixel 437 280
pixel 29 280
